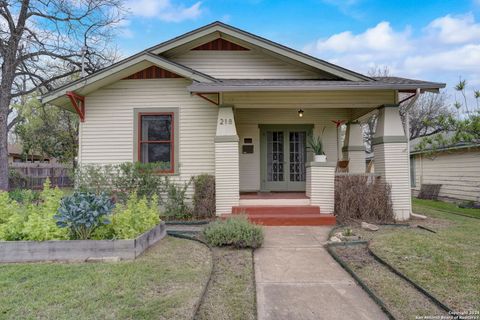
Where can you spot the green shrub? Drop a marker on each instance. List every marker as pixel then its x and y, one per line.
pixel 12 218
pixel 40 224
pixel 204 196
pixel 173 199
pixel 16 179
pixel 235 231
pixel 24 195
pixel 120 180
pixel 137 216
pixel 83 212
pixel 95 178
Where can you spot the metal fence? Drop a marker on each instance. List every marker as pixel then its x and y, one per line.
pixel 33 175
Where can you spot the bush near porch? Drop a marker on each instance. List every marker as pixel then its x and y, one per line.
pixel 362 198
pixel 235 231
pixel 120 180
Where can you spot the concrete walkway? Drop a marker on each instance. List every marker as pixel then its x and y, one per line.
pixel 296 278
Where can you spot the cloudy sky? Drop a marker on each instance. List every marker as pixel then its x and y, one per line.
pixel 424 39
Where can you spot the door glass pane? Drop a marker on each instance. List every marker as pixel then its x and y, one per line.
pixel 156 127
pixel 275 156
pixel 297 156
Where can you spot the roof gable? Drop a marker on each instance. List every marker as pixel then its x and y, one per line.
pixel 119 71
pixel 220 44
pixel 217 29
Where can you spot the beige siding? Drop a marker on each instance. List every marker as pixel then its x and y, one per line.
pixel 243 65
pixel 226 176
pixel 247 121
pixel 107 134
pixel 391 163
pixel 321 187
pixel 457 171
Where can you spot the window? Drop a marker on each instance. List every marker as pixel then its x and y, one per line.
pixel 156 139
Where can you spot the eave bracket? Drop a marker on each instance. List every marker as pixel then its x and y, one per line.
pixel 78 103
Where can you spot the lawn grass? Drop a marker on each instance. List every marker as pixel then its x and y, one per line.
pixel 231 294
pixel 164 283
pixel 400 298
pixel 444 206
pixel 446 263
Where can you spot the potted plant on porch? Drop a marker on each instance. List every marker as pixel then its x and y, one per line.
pixel 315 143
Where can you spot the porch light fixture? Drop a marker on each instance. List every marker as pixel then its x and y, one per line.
pixel 300 113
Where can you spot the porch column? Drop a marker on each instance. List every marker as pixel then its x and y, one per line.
pixel 320 185
pixel 227 182
pixel 354 149
pixel 391 159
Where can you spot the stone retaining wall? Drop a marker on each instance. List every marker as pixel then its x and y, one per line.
pixel 79 250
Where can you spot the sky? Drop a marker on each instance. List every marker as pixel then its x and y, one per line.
pixel 421 39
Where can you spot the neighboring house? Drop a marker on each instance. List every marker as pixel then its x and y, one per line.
pixel 16 154
pixel 456 168
pixel 223 101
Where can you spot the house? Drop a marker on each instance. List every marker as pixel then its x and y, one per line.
pixel 454 168
pixel 223 101
pixel 16 154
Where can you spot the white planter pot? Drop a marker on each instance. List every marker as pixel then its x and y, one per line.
pixel 320 158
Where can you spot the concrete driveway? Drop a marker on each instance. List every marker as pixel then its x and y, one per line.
pixel 296 278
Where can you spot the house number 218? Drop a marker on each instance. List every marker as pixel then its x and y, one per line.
pixel 224 122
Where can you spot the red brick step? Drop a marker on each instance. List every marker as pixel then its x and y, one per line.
pixel 285 215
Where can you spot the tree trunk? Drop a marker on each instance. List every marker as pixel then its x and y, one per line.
pixel 8 71
pixel 3 143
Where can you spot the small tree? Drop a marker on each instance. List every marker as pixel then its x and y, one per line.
pixel 48 130
pixel 453 129
pixel 43 43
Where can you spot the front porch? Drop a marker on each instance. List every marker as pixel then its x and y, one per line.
pixel 264 168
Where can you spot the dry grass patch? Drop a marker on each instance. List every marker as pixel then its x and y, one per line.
pixel 231 294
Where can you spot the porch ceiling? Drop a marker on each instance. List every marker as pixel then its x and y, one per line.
pixel 381 83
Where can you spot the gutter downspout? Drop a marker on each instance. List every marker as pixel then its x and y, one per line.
pixel 407 109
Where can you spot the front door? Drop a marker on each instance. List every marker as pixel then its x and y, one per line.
pixel 283 156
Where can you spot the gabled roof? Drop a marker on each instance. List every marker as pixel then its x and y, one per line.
pixel 118 71
pixel 265 44
pixel 158 55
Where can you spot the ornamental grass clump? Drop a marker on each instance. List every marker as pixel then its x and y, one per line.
pixel 235 231
pixel 83 212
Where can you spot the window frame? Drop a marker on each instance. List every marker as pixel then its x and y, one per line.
pixel 172 140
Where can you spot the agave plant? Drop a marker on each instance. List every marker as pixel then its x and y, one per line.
pixel 315 143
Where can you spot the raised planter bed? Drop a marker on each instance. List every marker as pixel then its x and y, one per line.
pixel 80 250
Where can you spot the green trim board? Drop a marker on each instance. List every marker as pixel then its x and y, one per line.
pixel 176 134
pixel 285 185
pixel 389 139
pixel 353 148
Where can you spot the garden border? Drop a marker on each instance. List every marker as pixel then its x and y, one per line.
pixel 80 250
pixel 411 282
pixel 181 235
pixel 362 284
